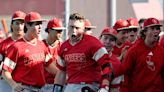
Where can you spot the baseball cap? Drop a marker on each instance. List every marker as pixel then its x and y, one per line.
pixel 18 15
pixel 133 23
pixel 88 24
pixel 56 24
pixel 151 22
pixel 109 30
pixel 33 17
pixel 121 24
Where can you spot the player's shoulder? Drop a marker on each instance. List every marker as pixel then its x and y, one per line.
pixel 44 41
pixel 64 43
pixel 90 38
pixel 6 40
pixel 160 48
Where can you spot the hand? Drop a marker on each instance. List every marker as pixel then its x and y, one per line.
pixel 17 87
pixel 102 90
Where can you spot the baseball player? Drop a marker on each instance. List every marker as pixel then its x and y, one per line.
pixel 108 38
pixel 88 27
pixel 144 62
pixel 17 27
pixel 53 42
pixel 121 26
pixel 133 31
pixel 131 40
pixel 82 61
pixel 26 58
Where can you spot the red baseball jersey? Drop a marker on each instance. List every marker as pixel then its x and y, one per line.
pixel 26 62
pixel 54 53
pixel 4 45
pixel 1 39
pixel 118 50
pixel 115 63
pixel 144 66
pixel 82 61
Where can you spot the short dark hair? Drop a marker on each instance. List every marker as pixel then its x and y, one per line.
pixel 141 33
pixel 141 20
pixel 76 16
pixel 46 30
pixel 25 28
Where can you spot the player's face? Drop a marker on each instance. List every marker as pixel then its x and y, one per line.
pixel 35 29
pixel 55 34
pixel 152 34
pixel 122 36
pixel 132 34
pixel 76 29
pixel 18 27
pixel 108 41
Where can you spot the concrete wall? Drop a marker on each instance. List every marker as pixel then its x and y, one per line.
pixel 98 13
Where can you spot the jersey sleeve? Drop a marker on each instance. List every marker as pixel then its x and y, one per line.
pixel 2 51
pixel 1 54
pixel 101 56
pixel 60 59
pixel 11 58
pixel 127 63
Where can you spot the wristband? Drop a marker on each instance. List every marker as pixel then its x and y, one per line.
pixel 57 88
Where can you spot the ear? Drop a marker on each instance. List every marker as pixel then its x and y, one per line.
pixel 145 32
pixel 27 25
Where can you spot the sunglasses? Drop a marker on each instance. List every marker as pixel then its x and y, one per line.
pixel 133 30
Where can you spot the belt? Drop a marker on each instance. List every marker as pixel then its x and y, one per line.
pixel 31 86
pixel 88 82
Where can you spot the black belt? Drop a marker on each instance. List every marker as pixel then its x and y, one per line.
pixel 32 86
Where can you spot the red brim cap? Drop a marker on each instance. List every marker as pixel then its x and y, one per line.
pixel 153 25
pixel 42 20
pixel 17 19
pixel 130 27
pixel 123 28
pixel 59 28
pixel 92 27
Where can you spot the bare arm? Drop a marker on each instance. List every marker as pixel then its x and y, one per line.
pixel 60 80
pixel 52 68
pixel 60 77
pixel 8 77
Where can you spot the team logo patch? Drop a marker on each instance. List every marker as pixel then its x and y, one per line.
pixel 65 49
pixel 149 62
